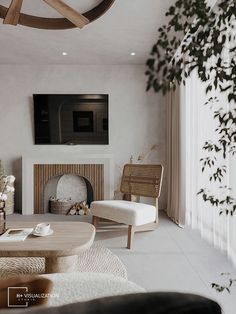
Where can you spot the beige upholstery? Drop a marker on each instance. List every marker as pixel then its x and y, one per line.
pixel 129 213
pixel 137 180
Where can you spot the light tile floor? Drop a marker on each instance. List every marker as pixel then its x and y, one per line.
pixel 168 259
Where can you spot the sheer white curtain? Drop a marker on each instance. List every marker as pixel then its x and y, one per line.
pixel 176 157
pixel 200 126
pixel 189 125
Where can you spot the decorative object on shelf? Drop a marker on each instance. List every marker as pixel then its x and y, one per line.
pixel 71 18
pixel 144 156
pixel 6 187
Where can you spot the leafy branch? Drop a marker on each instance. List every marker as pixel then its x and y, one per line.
pixel 218 175
pixel 226 205
pixel 193 35
pixel 227 287
pixel 197 38
pixel 207 162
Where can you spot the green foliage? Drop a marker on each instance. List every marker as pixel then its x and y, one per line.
pixel 207 162
pixel 227 287
pixel 226 205
pixel 197 38
pixel 163 70
pixel 193 35
pixel 225 146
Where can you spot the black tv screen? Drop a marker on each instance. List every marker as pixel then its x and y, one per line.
pixel 71 119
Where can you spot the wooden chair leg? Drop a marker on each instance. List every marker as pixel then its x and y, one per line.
pixel 95 221
pixel 130 236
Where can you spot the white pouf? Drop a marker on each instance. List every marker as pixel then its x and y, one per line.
pixel 74 287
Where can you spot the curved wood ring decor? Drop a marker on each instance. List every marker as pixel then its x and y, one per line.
pixel 58 23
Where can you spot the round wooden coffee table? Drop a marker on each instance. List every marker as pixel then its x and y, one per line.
pixel 61 249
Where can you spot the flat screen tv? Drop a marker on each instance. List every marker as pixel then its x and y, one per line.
pixel 71 119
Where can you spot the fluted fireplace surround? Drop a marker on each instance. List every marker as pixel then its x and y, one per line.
pixel 38 170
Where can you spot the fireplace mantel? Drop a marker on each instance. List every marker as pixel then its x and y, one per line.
pixel 28 163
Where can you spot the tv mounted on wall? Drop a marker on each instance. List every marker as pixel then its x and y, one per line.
pixel 71 119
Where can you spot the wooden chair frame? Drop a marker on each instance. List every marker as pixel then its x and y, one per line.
pixel 140 180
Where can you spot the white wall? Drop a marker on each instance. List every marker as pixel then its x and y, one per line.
pixel 137 118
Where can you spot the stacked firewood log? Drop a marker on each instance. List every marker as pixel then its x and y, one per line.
pixel 80 208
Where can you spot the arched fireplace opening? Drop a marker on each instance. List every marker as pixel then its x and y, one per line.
pixel 92 174
pixel 67 189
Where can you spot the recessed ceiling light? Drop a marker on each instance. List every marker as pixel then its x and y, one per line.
pixel 64 53
pixel 133 54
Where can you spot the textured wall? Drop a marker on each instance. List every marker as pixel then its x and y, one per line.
pixel 137 119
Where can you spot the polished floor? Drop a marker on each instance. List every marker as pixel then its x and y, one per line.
pixel 168 259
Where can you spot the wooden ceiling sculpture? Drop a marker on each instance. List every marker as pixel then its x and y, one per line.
pixel 71 17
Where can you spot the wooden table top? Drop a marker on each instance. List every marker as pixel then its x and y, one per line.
pixel 69 238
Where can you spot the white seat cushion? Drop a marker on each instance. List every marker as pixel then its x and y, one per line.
pixel 126 212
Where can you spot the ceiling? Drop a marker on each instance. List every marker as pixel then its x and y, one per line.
pixel 129 26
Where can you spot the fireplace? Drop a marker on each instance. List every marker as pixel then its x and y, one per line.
pixel 68 189
pixel 38 171
pixel 43 174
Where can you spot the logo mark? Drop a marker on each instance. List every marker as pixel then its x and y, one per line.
pixel 16 297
